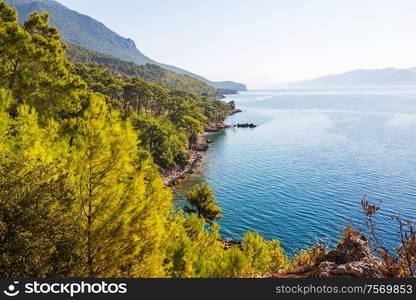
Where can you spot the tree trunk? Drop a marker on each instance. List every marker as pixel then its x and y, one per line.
pixel 12 79
pixel 89 251
pixel 90 262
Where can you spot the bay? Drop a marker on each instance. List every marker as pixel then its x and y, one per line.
pixel 301 174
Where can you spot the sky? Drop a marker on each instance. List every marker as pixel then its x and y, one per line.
pixel 264 42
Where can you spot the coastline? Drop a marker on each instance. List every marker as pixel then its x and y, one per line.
pixel 173 177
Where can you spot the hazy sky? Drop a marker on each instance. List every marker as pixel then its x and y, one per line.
pixel 262 42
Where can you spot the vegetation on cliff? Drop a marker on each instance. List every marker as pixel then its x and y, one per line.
pixel 148 72
pixel 80 188
pixel 84 31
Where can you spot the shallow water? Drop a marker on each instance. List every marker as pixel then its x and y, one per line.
pixel 300 175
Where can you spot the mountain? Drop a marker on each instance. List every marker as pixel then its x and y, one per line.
pixel 363 78
pixel 149 72
pixel 87 32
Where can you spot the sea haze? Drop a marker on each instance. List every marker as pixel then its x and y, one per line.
pixel 300 175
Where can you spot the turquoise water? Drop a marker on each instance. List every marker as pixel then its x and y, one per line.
pixel 300 176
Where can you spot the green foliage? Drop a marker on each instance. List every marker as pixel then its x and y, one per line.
pixel 122 207
pixel 103 81
pixel 81 29
pixel 202 198
pixel 38 231
pixel 33 64
pixel 307 257
pixel 80 192
pixel 160 137
pixel 34 141
pixel 148 72
pixel 233 264
pixel 263 256
pixel 193 251
pixel 5 102
pixel 165 118
pixel 138 95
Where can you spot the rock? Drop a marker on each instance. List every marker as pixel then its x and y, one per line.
pixel 216 126
pixel 234 111
pixel 201 145
pixel 352 258
pixel 173 177
pixel 246 125
pixel 229 244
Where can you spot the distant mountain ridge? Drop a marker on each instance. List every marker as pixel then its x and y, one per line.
pixel 87 32
pixel 149 72
pixel 363 78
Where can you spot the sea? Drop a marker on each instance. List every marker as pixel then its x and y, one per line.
pixel 300 176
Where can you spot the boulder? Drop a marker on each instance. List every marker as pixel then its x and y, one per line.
pixel 246 125
pixel 216 126
pixel 234 111
pixel 351 258
pixel 201 145
pixel 228 244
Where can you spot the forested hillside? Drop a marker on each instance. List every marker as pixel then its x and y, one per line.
pixel 80 189
pixel 81 195
pixel 87 32
pixel 81 29
pixel 149 72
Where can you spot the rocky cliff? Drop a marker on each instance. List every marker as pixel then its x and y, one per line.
pixel 351 258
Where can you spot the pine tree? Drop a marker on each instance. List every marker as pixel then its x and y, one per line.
pixel 5 121
pixel 123 202
pixel 33 65
pixel 103 81
pixel 262 256
pixel 160 137
pixel 137 95
pixel 202 198
pixel 38 229
pixel 80 194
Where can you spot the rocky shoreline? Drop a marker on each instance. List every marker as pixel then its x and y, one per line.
pixel 234 111
pixel 216 126
pixel 351 258
pixel 174 177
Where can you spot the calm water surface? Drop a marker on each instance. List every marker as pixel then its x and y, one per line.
pixel 300 176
